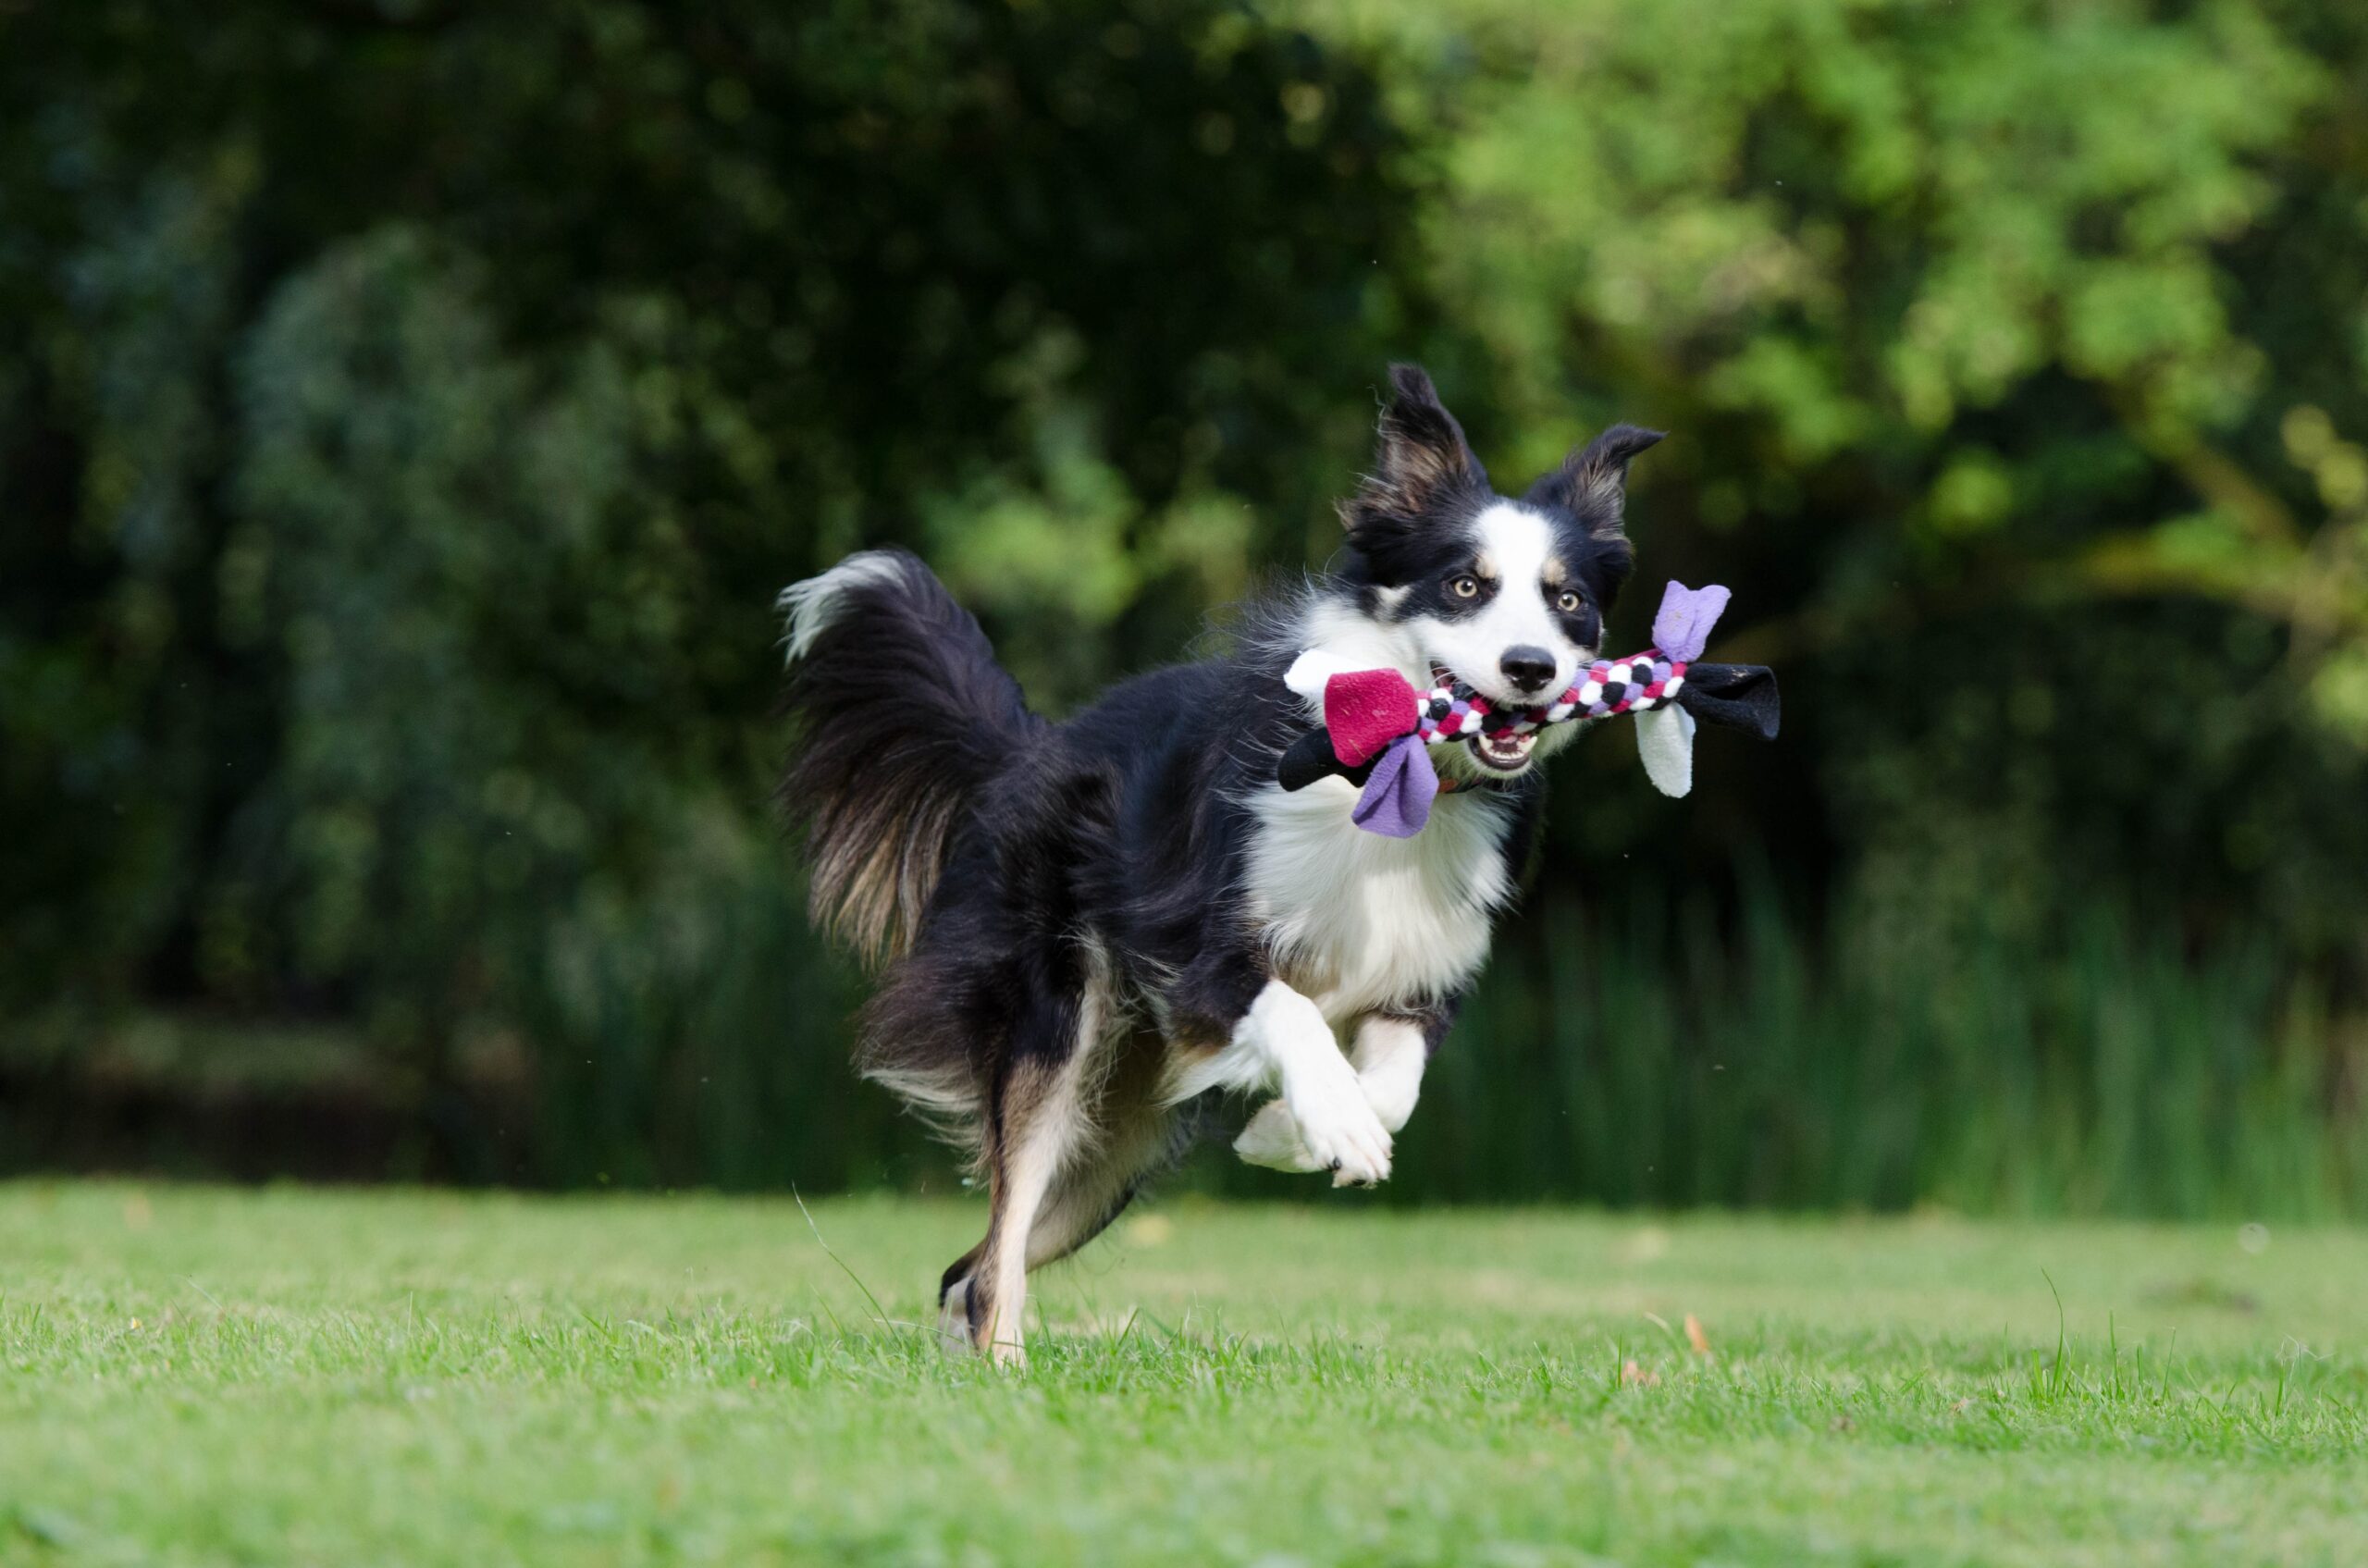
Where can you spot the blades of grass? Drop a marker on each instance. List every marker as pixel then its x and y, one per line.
pixel 878 1312
pixel 2062 1370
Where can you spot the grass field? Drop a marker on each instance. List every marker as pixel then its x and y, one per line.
pixel 199 1375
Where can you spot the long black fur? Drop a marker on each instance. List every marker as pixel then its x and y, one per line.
pixel 903 715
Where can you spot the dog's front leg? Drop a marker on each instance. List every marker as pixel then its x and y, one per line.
pixel 1391 1053
pixel 1324 1120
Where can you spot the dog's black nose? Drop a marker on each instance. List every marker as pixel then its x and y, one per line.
pixel 1528 668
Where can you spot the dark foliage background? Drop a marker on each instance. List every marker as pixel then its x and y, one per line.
pixel 408 411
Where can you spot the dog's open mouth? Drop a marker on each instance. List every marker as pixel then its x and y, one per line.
pixel 1506 753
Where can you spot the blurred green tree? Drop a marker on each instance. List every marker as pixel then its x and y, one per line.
pixel 1983 332
pixel 409 409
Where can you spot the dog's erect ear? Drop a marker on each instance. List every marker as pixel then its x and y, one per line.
pixel 1421 460
pixel 1592 484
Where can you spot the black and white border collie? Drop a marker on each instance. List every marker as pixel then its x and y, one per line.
pixel 1087 924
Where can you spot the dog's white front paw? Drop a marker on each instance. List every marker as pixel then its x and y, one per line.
pixel 1272 1140
pixel 1335 1122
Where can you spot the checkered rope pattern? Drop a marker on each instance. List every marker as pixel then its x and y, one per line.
pixel 1451 709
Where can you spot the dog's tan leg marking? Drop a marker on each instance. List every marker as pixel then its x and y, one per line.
pixel 1042 1124
pixel 1132 1134
pixel 1026 1171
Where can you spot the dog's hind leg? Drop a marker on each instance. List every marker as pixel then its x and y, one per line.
pixel 953 1331
pixel 1038 1121
pixel 1135 1137
pixel 1037 1127
pixel 1127 1136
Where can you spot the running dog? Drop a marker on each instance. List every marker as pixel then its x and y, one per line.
pixel 1086 925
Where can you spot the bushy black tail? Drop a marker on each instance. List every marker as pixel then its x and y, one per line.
pixel 904 713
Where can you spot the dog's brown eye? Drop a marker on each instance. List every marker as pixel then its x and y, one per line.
pixel 1465 586
pixel 1568 603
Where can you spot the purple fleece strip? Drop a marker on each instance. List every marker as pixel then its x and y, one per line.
pixel 1682 628
pixel 1398 795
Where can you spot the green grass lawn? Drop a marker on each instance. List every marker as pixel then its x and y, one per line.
pixel 200 1376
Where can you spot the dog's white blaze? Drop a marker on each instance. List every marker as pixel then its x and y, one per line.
pixel 1369 923
pixel 809 606
pixel 1515 543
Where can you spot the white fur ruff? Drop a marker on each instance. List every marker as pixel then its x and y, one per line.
pixel 1362 923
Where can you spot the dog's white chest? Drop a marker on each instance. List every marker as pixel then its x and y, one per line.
pixel 1359 922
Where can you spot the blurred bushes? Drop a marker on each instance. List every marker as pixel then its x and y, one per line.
pixel 2103 1070
pixel 408 411
pixel 411 414
pixel 1986 334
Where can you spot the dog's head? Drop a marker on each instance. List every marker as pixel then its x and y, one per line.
pixel 1508 595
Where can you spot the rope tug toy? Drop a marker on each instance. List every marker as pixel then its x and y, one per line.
pixel 1377 728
